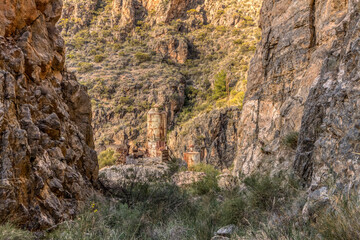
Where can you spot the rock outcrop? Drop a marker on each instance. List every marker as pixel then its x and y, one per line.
pixel 304 78
pixel 141 171
pixel 213 134
pixel 47 160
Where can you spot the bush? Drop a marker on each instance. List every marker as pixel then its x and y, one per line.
pixel 192 12
pixel 234 211
pixel 142 57
pixel 108 158
pixel 221 29
pixel 126 100
pixel 101 221
pixel 220 12
pixel 98 58
pixel 220 85
pixel 237 99
pixel 291 140
pixel 207 185
pixel 84 67
pixel 165 211
pixel 269 193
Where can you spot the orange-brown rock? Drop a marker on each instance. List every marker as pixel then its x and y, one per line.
pixel 47 162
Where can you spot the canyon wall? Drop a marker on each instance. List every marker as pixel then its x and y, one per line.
pixel 304 79
pixel 47 160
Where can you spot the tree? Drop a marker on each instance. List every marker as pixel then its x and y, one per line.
pixel 220 85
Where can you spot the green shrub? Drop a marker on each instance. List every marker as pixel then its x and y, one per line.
pixel 207 185
pixel 221 29
pixel 102 220
pixel 239 41
pixel 192 12
pixel 71 56
pixel 266 193
pixel 220 12
pixel 126 100
pixel 290 140
pixel 165 211
pixel 234 210
pixel 220 85
pixel 107 158
pixel 84 67
pixel 117 47
pixel 98 58
pixel 237 99
pixel 142 57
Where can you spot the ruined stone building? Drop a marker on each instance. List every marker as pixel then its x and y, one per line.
pixel 156 132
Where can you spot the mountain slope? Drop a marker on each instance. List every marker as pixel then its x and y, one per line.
pixel 133 54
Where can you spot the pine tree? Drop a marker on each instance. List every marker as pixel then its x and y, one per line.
pixel 220 85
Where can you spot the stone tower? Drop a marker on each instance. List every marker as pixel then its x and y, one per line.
pixel 156 132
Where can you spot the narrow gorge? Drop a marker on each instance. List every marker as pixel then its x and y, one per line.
pixel 179 119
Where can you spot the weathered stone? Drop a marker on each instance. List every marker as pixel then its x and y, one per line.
pixel 317 200
pixel 187 178
pixel 147 170
pixel 212 134
pixel 226 231
pixel 227 181
pixel 219 238
pixel 39 119
pixel 304 79
pixel 156 132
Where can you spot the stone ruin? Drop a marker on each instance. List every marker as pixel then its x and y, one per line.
pixel 156 146
pixel 156 132
pixel 192 157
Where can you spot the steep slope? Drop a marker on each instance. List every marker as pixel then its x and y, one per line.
pixel 48 163
pixel 133 54
pixel 303 80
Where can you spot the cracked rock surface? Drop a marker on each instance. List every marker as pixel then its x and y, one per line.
pixel 47 160
pixel 304 78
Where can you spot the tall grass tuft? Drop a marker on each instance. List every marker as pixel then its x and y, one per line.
pixel 341 221
pixel 10 232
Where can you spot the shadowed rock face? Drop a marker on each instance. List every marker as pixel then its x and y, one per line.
pixel 213 134
pixel 47 162
pixel 304 78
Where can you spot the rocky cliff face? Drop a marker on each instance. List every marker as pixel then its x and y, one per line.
pixel 47 164
pixel 213 134
pixel 304 79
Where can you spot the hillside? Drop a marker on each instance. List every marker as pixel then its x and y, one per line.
pixel 179 54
